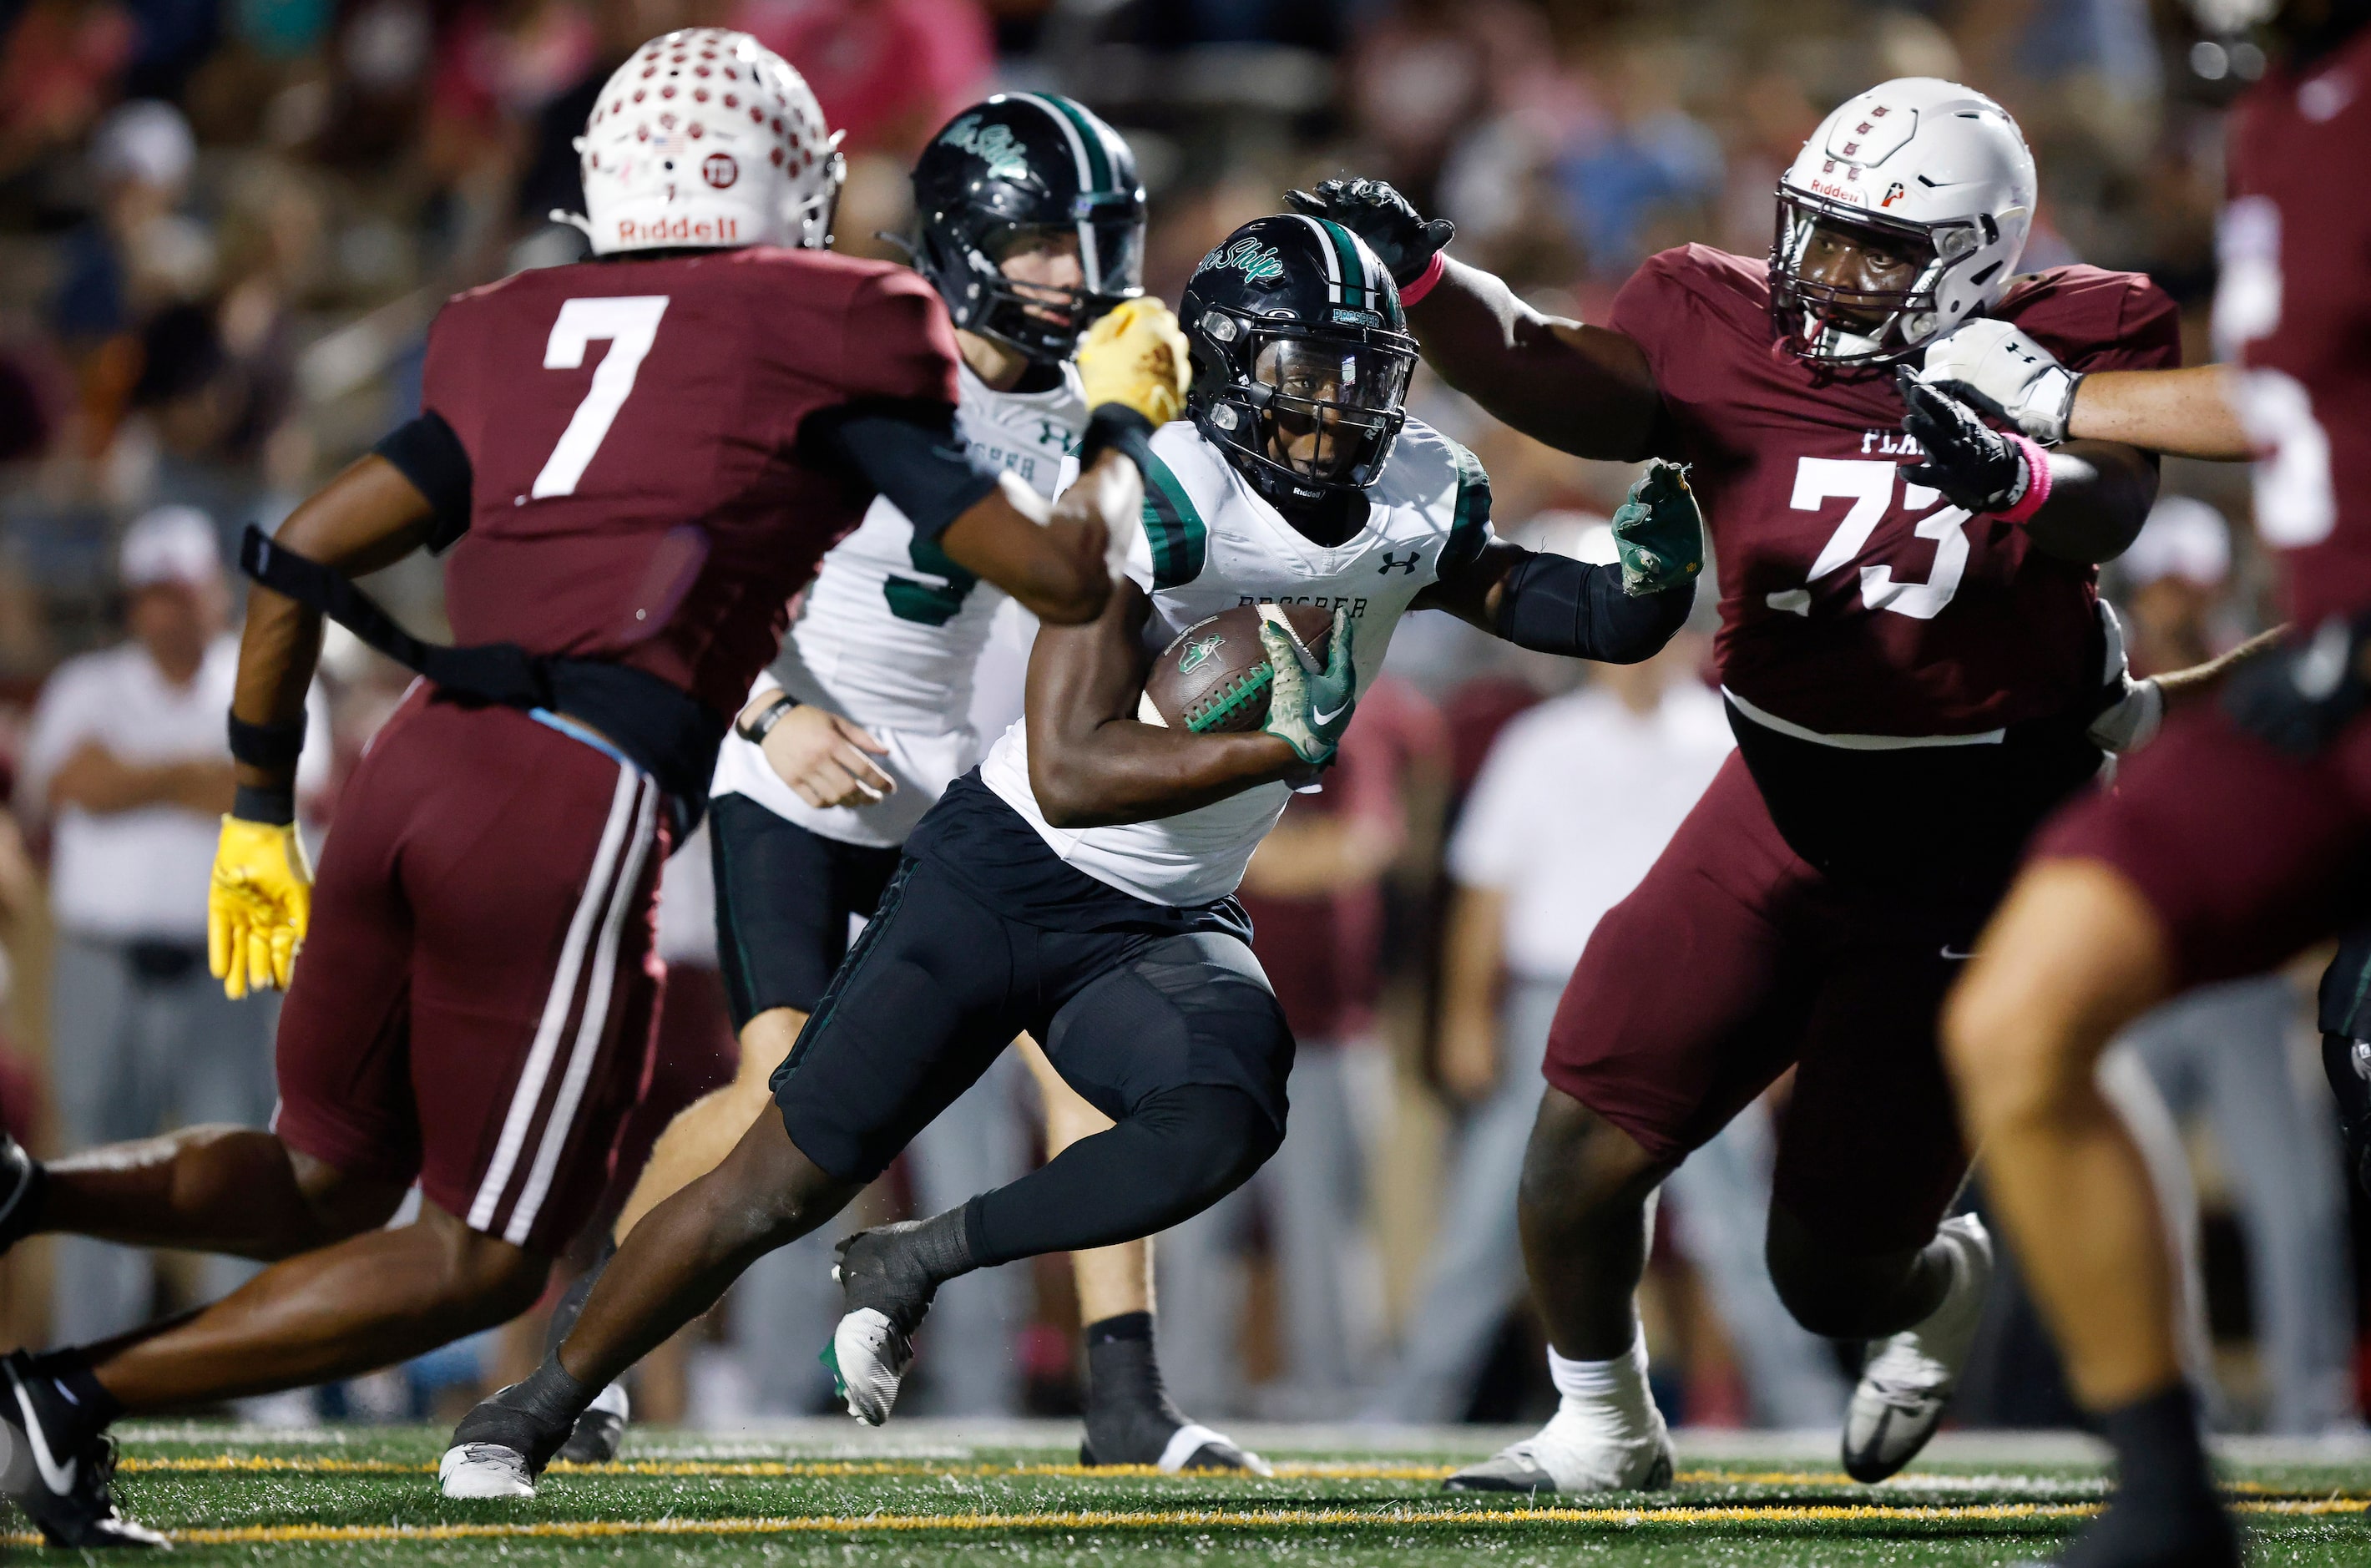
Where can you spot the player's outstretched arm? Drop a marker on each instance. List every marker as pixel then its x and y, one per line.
pixel 1553 604
pixel 2182 413
pixel 1580 388
pixel 1051 560
pixel 1092 765
pixel 1132 369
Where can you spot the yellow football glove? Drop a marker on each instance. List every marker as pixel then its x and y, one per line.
pixel 258 906
pixel 1135 356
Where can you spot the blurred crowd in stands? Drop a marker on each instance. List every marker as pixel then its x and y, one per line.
pixel 225 224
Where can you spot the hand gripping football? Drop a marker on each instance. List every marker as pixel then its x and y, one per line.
pixel 1214 678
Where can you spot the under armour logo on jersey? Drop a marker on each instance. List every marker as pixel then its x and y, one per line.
pixel 1392 563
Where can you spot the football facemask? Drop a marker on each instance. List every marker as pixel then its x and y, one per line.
pixel 1328 410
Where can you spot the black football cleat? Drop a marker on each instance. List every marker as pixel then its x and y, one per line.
pixel 600 1431
pixel 500 1447
pixel 64 1486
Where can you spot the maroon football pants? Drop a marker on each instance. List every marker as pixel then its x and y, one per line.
pixel 2248 855
pixel 474 1004
pixel 1735 960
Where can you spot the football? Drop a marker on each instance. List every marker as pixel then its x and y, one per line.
pixel 1213 677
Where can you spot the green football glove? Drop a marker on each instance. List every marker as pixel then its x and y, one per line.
pixel 1658 531
pixel 1307 708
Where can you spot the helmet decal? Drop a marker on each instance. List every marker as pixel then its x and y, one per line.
pixel 995 146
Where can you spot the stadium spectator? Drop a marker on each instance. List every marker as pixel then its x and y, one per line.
pixel 128 764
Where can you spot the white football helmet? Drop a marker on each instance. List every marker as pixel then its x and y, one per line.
pixel 1926 163
pixel 707 137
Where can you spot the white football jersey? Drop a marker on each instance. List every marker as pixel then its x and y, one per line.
pixel 891 631
pixel 1212 542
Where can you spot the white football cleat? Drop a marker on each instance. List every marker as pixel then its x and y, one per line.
pixel 868 1358
pixel 1575 1454
pixel 1909 1380
pixel 484 1469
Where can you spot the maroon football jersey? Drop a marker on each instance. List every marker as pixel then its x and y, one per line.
pixel 639 492
pixel 2293 306
pixel 1853 602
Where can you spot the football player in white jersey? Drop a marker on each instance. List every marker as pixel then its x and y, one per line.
pixel 1032 225
pixel 1079 887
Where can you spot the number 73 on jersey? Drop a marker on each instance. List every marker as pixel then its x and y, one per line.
pixel 1869 484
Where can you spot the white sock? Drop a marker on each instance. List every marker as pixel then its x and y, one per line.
pixel 1601 1391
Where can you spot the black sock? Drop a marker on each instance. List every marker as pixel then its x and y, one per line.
pixel 943 1244
pixel 1129 1416
pixel 72 1405
pixel 2164 1513
pixel 2159 1456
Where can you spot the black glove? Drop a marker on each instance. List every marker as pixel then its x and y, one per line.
pixel 1399 236
pixel 2301 694
pixel 1972 464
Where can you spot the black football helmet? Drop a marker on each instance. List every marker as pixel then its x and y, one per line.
pixel 1009 170
pixel 1301 357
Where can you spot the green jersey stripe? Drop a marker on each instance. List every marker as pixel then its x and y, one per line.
pixel 1469 527
pixel 1172 527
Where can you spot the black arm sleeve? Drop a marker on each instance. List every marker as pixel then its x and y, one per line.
pixel 1553 604
pixel 426 452
pixel 911 453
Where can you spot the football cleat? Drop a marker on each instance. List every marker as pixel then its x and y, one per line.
pixel 868 1357
pixel 887 1291
pixel 65 1487
pixel 1189 1445
pixel 600 1431
pixel 484 1469
pixel 21 1176
pixel 1574 1454
pixel 1908 1382
pixel 500 1449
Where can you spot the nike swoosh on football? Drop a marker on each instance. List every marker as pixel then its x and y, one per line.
pixel 60 1480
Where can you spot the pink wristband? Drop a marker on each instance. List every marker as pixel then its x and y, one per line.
pixel 2037 481
pixel 1412 292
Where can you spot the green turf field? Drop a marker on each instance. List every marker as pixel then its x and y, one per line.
pixel 367 1497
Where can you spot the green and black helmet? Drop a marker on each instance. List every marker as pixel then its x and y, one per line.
pixel 1301 357
pixel 1005 173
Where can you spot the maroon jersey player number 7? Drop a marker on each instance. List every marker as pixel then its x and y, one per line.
pixel 630 464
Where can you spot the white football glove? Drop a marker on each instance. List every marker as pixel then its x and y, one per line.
pixel 2000 370
pixel 2136 710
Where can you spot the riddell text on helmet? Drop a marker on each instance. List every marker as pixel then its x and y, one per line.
pixel 692 231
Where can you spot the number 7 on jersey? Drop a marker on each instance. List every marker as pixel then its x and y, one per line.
pixel 630 323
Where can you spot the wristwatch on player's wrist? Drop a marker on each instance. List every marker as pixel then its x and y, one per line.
pixel 755 730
